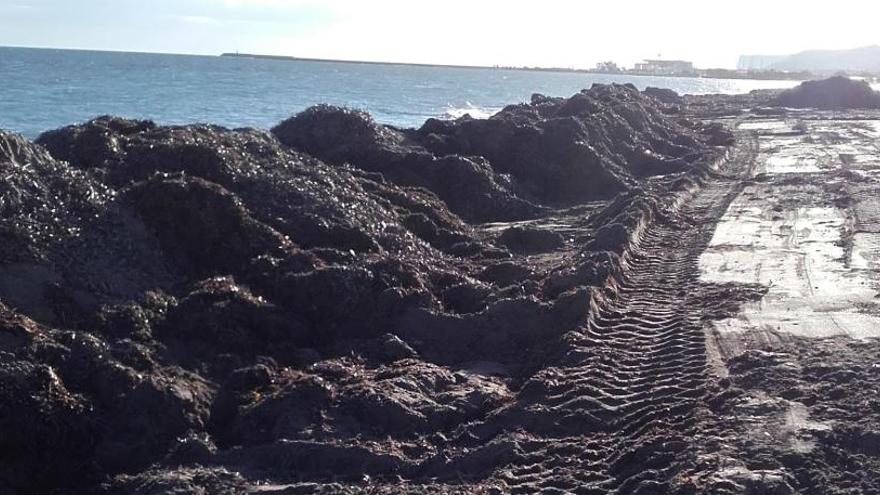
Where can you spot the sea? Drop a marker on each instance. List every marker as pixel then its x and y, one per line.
pixel 43 89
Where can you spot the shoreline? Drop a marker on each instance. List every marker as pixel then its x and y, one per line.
pixel 563 70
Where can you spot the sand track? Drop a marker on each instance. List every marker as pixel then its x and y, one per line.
pixel 794 371
pixel 617 408
pixel 646 397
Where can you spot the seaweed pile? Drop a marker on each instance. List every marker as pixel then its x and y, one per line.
pixel 757 102
pixel 201 310
pixel 798 418
pixel 835 93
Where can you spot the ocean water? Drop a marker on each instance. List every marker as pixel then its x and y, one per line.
pixel 45 89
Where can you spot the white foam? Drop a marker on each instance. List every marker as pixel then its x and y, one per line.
pixel 477 112
pixel 765 125
pixel 790 164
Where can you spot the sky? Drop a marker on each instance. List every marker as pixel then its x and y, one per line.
pixel 548 33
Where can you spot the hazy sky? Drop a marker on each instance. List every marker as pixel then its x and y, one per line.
pixel 576 33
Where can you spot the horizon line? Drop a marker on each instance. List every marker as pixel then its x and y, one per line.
pixel 291 57
pixel 258 56
pixel 319 59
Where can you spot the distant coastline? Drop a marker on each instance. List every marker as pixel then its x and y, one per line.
pixel 707 74
pixel 368 62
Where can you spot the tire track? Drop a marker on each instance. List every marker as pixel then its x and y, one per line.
pixel 617 406
pixel 614 410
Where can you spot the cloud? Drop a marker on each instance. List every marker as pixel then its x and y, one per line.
pixel 273 3
pixel 565 33
pixel 486 32
pixel 198 19
pixel 280 4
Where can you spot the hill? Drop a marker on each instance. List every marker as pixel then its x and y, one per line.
pixel 865 59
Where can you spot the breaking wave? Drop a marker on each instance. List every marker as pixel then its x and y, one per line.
pixel 477 112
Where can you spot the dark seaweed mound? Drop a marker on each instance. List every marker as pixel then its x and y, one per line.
pixel 197 310
pixel 593 145
pixel 830 94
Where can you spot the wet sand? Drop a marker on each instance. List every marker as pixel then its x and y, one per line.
pixel 797 370
pixel 796 229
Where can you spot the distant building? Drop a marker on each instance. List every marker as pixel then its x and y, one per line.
pixel 665 67
pixel 758 62
pixel 608 68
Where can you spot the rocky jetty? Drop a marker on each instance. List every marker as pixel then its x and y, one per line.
pixel 333 306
